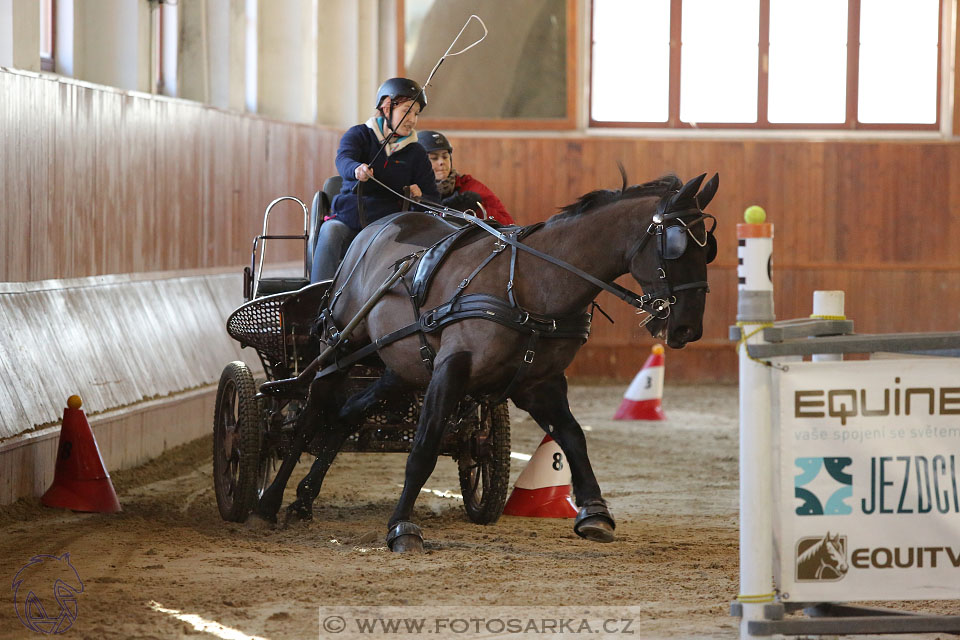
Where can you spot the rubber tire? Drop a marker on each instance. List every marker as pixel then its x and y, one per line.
pixel 237 389
pixel 496 470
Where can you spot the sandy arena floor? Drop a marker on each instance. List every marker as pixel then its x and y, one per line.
pixel 672 487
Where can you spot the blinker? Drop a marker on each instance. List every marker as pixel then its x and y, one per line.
pixel 676 239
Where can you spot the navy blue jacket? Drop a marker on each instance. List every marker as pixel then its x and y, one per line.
pixel 409 165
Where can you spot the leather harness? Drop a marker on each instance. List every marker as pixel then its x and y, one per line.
pixel 509 312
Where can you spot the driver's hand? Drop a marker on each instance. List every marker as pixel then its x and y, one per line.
pixel 415 191
pixel 363 173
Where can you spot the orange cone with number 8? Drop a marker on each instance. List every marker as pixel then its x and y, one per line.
pixel 642 399
pixel 543 488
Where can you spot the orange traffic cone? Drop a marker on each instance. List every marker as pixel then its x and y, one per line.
pixel 80 481
pixel 642 399
pixel 543 488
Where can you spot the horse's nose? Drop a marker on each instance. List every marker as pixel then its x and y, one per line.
pixel 683 334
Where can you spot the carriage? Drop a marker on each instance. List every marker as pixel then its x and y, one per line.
pixel 253 432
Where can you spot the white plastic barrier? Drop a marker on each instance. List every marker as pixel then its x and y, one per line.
pixel 849 470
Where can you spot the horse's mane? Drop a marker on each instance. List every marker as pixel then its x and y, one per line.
pixel 662 186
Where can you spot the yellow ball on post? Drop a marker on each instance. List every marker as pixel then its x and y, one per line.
pixel 74 402
pixel 657 349
pixel 755 215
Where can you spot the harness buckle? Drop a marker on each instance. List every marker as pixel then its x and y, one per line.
pixel 463 284
pixel 663 274
pixel 426 354
pixel 499 246
pixel 526 318
pixel 509 285
pixel 528 356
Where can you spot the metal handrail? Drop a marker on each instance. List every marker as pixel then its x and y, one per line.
pixel 257 272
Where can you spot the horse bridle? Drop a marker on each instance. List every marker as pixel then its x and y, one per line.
pixel 671 243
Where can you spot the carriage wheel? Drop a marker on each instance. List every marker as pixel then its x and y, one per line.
pixel 484 463
pixel 239 472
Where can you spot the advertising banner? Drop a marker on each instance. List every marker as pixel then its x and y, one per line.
pixel 869 472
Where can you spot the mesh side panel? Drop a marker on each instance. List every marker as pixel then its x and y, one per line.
pixel 257 324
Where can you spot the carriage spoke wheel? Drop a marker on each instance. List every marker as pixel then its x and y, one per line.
pixel 239 472
pixel 484 464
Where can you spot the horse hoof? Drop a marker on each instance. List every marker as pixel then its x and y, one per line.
pixel 405 537
pixel 594 522
pixel 595 529
pixel 407 544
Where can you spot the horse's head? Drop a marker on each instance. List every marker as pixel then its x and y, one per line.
pixel 670 258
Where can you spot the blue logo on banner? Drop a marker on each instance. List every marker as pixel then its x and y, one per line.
pixel 45 594
pixel 842 484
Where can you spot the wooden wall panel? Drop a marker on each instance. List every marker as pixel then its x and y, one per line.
pixel 97 181
pixel 877 219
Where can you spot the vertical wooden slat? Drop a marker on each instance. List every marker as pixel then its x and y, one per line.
pixel 853 61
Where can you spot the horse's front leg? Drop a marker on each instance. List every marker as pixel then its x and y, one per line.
pixel 337 432
pixel 547 405
pixel 446 389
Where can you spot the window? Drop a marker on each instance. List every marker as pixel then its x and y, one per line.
pixel 47 20
pixel 165 18
pixel 766 64
pixel 522 76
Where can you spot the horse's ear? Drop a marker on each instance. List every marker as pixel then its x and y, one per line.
pixel 623 175
pixel 689 190
pixel 709 190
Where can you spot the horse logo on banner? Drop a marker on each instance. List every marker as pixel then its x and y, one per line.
pixel 822 558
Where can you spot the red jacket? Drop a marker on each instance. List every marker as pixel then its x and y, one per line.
pixel 491 202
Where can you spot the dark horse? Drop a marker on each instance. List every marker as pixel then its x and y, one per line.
pixel 642 230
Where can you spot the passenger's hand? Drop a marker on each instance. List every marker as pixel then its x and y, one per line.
pixel 415 192
pixel 363 173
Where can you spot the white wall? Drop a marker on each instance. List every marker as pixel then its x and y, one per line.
pixel 20 34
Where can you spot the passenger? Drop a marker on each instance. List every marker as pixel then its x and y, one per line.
pixel 402 163
pixel 459 191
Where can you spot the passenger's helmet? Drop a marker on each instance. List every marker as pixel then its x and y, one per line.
pixel 434 141
pixel 401 88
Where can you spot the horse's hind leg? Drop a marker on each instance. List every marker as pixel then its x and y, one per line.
pixel 272 497
pixel 547 404
pixel 446 389
pixel 341 428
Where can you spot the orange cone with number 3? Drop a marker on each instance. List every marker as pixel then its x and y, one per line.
pixel 642 399
pixel 543 488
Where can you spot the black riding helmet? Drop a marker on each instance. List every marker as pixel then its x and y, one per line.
pixel 434 141
pixel 401 88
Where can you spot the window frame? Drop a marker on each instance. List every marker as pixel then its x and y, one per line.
pixel 568 122
pixel 851 122
pixel 48 63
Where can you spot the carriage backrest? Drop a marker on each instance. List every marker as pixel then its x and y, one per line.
pixel 320 208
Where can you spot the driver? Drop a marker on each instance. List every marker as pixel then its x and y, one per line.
pixel 459 191
pixel 402 163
